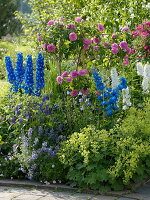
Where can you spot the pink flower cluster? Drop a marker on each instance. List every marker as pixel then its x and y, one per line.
pixel 69 77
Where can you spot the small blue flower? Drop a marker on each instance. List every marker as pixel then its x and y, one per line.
pixel 109 112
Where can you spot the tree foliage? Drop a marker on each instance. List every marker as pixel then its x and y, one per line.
pixel 9 23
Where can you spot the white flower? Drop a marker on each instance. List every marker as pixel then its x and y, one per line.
pixel 148 6
pixel 140 69
pixel 53 166
pixel 145 84
pixel 147 70
pixel 126 97
pixel 125 107
pixel 54 182
pixel 114 78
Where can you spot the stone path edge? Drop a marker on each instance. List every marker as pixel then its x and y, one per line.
pixel 61 187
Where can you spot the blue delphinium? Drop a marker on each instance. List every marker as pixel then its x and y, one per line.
pixel 28 77
pixel 109 97
pixel 19 70
pixel 11 74
pixel 39 73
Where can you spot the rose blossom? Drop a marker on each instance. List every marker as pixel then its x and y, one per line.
pixel 68 79
pixel 64 74
pixel 78 19
pixel 86 47
pixel 59 79
pixel 113 36
pixel 44 46
pixel 51 48
pixel 123 45
pixel 96 40
pixel 72 36
pixel 74 93
pixel 82 72
pixel 71 26
pixel 106 44
pixel 114 50
pixel 125 29
pixel 125 60
pixel 74 74
pixel 51 22
pixel 87 41
pixel 114 45
pixel 100 27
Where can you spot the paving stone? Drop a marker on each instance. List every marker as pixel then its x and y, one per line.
pixel 144 190
pixel 122 198
pixel 100 197
pixel 138 196
pixel 5 195
pixel 27 197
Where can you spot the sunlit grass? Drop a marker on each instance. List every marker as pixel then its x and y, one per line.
pixel 4 87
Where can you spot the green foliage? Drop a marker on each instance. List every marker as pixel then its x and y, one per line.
pixel 8 21
pixel 114 158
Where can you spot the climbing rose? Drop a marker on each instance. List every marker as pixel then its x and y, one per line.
pixel 51 22
pixel 69 79
pixel 114 50
pixel 59 79
pixel 78 19
pixel 123 45
pixel 51 48
pixel 74 74
pixel 86 47
pixel 72 36
pixel 87 41
pixel 125 29
pixel 100 27
pixel 96 40
pixel 64 74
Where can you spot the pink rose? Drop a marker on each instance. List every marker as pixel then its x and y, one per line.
pixel 51 22
pixel 71 26
pixel 128 50
pixel 59 79
pixel 125 29
pixel 64 74
pixel 144 34
pixel 68 79
pixel 74 93
pixel 113 36
pixel 78 19
pixel 87 41
pixel 123 45
pixel 100 27
pixel 114 45
pixel 96 40
pixel 125 60
pixel 74 74
pixel 72 36
pixel 147 24
pixel 44 46
pixel 86 47
pixel 82 72
pixel 106 44
pixel 51 48
pixel 114 50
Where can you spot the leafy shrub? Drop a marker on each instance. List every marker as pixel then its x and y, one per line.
pixel 100 159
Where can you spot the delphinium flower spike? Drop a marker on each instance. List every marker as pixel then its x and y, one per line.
pixel 28 78
pixel 39 74
pixel 19 70
pixel 10 73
